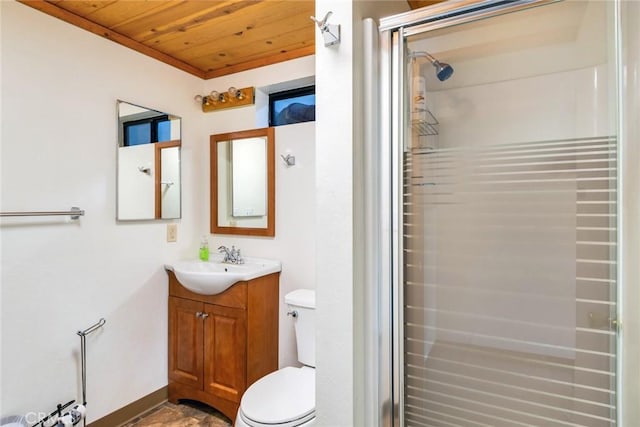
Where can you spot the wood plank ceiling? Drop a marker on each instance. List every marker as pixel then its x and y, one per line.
pixel 206 38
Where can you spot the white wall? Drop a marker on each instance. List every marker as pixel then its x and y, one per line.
pixel 136 195
pixel 294 242
pixel 60 276
pixel 334 221
pixel 582 100
pixel 59 90
pixel 339 213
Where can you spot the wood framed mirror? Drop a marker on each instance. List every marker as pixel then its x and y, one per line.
pixel 242 182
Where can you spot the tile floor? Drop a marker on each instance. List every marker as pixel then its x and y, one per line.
pixel 186 414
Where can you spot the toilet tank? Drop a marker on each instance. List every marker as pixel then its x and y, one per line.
pixel 303 302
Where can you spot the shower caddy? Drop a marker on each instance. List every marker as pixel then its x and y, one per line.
pixel 423 123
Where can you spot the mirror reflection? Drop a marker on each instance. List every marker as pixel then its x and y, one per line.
pixel 243 183
pixel 148 174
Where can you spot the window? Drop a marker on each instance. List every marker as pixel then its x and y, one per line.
pixel 292 106
pixel 145 131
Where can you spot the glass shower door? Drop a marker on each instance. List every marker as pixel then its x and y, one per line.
pixel 509 190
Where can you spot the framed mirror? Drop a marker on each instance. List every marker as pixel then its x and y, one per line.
pixel 148 163
pixel 243 182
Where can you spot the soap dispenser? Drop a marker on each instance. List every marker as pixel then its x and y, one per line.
pixel 204 249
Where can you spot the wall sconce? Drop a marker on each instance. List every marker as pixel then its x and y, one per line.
pixel 232 98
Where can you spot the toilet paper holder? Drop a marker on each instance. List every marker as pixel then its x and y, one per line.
pixel 76 414
pixel 58 419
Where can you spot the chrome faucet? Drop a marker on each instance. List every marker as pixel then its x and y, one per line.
pixel 231 256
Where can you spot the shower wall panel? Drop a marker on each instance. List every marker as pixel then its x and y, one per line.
pixel 569 104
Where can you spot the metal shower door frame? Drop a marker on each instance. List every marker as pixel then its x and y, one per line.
pixel 393 31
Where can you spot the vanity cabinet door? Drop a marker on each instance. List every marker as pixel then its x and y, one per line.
pixel 185 341
pixel 225 352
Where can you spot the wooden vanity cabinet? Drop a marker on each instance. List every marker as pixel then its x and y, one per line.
pixel 221 344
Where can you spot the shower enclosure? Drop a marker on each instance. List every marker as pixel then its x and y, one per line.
pixel 504 138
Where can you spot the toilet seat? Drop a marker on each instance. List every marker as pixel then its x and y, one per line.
pixel 294 423
pixel 284 398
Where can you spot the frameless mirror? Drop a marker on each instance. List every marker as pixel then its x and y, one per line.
pixel 243 182
pixel 148 162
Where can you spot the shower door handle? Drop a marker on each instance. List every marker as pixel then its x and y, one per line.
pixel 602 321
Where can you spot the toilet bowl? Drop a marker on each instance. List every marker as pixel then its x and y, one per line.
pixel 286 397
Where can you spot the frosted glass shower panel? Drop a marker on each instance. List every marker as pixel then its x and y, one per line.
pixel 505 273
pixel 509 281
pixel 509 290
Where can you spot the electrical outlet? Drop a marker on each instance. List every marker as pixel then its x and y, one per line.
pixel 172 232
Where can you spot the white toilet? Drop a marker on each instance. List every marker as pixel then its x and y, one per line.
pixel 287 397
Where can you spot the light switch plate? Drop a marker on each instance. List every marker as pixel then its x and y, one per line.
pixel 172 232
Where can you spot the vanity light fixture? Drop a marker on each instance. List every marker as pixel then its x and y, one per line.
pixel 233 97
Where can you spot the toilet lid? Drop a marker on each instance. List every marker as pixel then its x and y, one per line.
pixel 281 397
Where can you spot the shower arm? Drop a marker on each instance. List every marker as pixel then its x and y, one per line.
pixel 427 55
pixel 443 70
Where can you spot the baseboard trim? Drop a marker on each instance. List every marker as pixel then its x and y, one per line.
pixel 133 410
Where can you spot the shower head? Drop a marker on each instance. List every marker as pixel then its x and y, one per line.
pixel 443 70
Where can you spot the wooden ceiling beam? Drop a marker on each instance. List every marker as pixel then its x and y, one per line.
pixel 261 62
pixel 246 53
pixel 182 18
pixel 206 39
pixel 55 11
pixel 226 33
pixel 269 39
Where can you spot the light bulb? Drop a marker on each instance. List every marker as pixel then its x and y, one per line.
pixel 236 93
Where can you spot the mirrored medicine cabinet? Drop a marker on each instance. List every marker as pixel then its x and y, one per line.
pixel 148 164
pixel 242 183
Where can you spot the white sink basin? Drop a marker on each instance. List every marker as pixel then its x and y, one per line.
pixel 212 277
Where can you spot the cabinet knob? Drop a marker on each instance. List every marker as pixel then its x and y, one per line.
pixel 199 314
pixel 204 315
pixel 292 313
